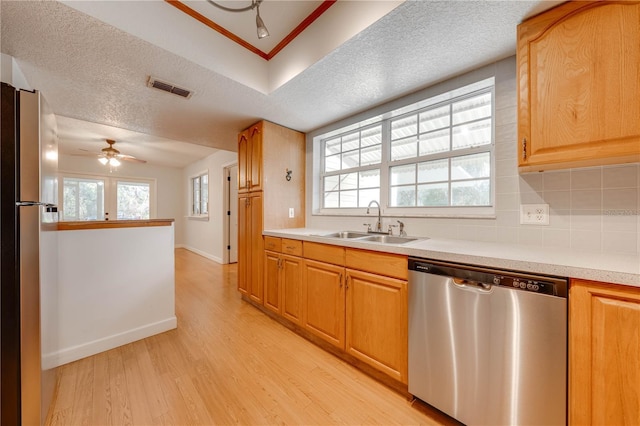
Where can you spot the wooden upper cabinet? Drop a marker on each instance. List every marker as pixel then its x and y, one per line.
pixel 250 159
pixel 604 354
pixel 579 86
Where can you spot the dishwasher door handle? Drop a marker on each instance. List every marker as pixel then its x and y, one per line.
pixel 471 285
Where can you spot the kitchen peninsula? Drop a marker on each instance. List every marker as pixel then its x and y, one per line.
pixel 116 285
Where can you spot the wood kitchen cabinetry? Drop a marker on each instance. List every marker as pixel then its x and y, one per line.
pixel 265 196
pixel 362 313
pixel 283 277
pixel 579 83
pixel 604 354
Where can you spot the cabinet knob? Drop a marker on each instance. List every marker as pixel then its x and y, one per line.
pixel 340 279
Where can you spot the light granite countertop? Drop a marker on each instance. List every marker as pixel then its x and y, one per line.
pixel 589 265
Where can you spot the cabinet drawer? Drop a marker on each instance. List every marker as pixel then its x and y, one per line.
pixel 324 253
pixel 391 265
pixel 272 244
pixel 292 247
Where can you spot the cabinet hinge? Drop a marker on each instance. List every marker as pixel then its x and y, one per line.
pixel 229 178
pixel 524 148
pixel 228 212
pixel 228 247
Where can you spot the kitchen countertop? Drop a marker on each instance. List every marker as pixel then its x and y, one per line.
pixel 588 265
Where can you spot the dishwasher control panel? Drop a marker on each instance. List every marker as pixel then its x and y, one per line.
pixel 553 286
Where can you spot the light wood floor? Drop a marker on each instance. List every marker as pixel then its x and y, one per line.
pixel 226 363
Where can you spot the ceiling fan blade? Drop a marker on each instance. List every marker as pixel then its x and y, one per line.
pixel 130 159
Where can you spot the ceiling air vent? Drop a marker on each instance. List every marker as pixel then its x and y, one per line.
pixel 169 87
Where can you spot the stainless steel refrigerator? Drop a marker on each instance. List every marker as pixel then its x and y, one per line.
pixel 22 211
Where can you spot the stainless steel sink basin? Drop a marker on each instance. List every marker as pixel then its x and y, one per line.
pixel 388 239
pixel 346 234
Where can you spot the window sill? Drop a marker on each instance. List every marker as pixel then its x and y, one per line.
pixel 203 218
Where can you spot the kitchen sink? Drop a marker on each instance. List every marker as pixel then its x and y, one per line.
pixel 388 239
pixel 375 238
pixel 346 234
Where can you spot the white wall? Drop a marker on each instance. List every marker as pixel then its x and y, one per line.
pixel 11 73
pixel 206 237
pixel 594 208
pixel 170 193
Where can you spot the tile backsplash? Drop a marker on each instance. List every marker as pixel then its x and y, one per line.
pixel 595 208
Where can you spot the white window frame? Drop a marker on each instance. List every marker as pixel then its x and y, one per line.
pixel 385 117
pixel 191 207
pixel 110 188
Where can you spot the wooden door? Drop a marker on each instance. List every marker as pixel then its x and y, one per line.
pixel 323 301
pixel 376 320
pixel 244 228
pixel 255 135
pixel 272 280
pixel 291 288
pixel 579 76
pixel 256 248
pixel 244 162
pixel 604 354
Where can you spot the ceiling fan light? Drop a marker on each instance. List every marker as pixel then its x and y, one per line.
pixel 262 29
pixel 103 160
pixel 114 162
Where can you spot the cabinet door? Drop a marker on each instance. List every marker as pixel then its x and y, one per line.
pixel 291 288
pixel 256 248
pixel 579 77
pixel 244 159
pixel 244 242
pixel 377 322
pixel 255 153
pixel 272 281
pixel 323 301
pixel 604 354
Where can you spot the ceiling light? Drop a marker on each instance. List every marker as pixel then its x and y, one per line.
pixel 255 4
pixel 103 161
pixel 114 162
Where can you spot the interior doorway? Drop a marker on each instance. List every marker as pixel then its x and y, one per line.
pixel 231 224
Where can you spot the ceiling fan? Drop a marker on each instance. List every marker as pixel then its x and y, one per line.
pixel 113 157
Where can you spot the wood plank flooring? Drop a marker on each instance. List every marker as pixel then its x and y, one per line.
pixel 226 363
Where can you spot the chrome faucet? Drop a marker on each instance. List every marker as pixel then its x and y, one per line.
pixel 379 222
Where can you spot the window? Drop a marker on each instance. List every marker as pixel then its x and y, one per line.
pixel 434 157
pixel 94 197
pixel 200 195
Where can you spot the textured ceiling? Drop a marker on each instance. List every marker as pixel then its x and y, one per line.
pixel 89 70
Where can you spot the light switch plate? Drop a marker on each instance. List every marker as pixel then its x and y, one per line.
pixel 291 213
pixel 534 214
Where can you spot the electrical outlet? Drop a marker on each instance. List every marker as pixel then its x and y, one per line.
pixel 534 214
pixel 291 213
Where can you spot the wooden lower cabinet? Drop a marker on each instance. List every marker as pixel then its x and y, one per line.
pixel 604 354
pixel 283 285
pixel 323 301
pixel 272 280
pixel 250 246
pixel 376 320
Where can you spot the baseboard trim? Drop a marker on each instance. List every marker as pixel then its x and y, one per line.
pixel 203 254
pixel 74 353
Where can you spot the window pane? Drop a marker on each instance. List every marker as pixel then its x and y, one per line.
pixel 403 196
pixel 434 119
pixel 431 143
pixel 204 194
pixel 196 195
pixel 332 163
pixel 348 198
pixel 371 155
pixel 83 199
pixel 472 134
pixel 472 109
pixel 367 195
pixel 471 166
pixel 371 136
pixel 404 127
pixel 331 199
pixel 350 142
pixel 471 193
pixel 405 148
pixel 350 159
pixel 132 200
pixel 332 146
pixel 331 183
pixel 349 181
pixel 433 171
pixel 435 194
pixel 403 174
pixel 370 179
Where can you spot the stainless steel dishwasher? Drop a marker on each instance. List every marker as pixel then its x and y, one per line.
pixel 488 347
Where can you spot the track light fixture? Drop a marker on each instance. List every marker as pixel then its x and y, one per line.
pixel 255 4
